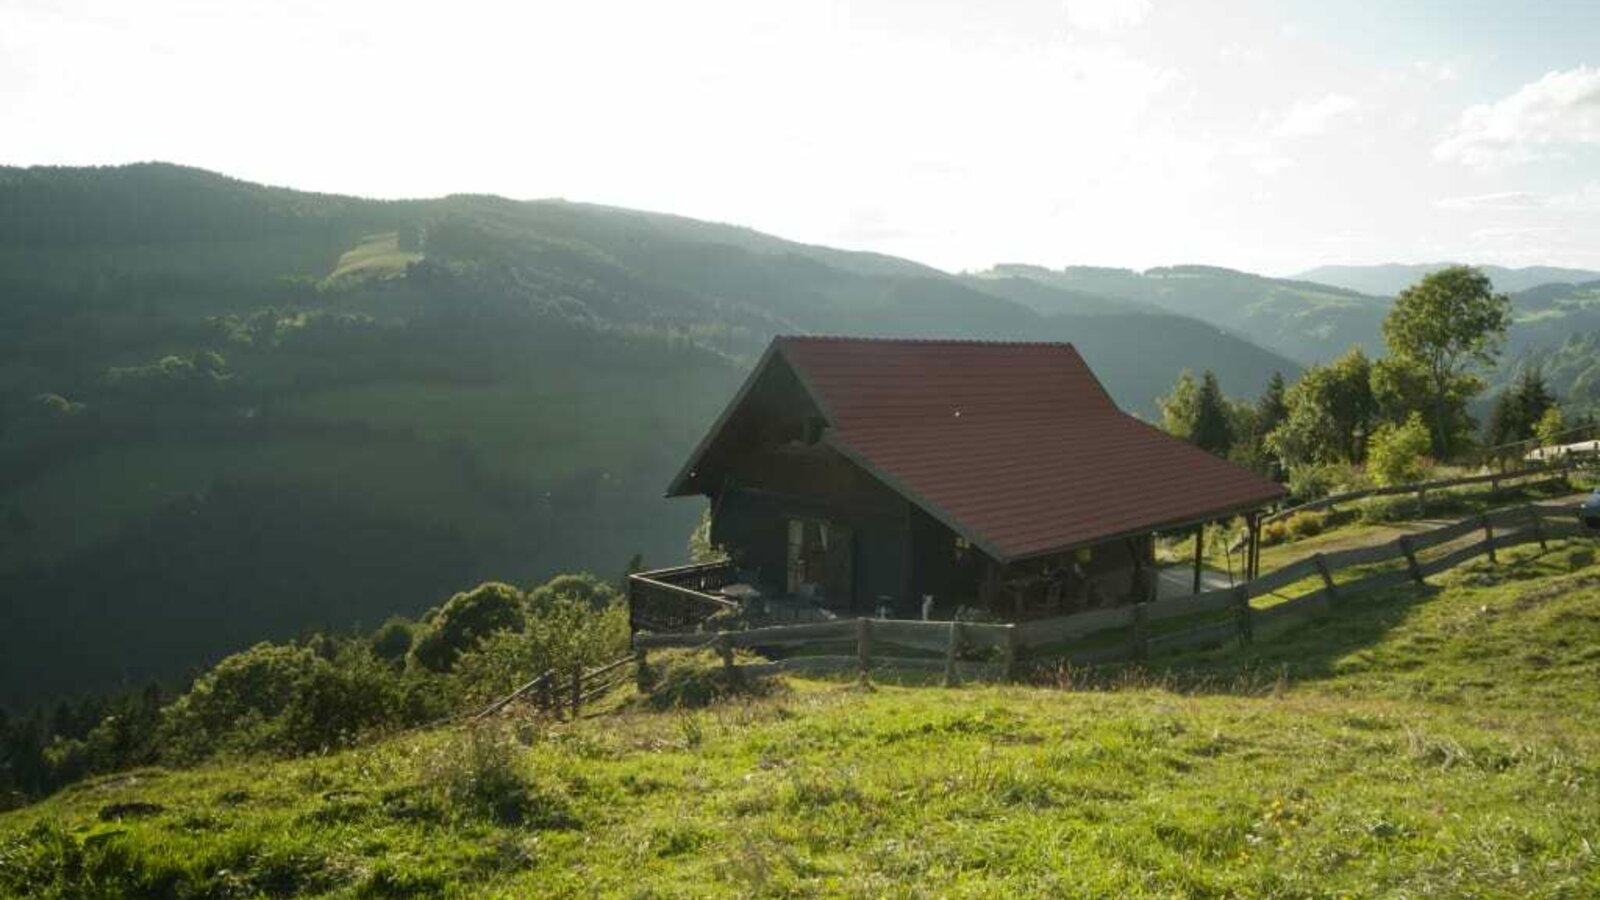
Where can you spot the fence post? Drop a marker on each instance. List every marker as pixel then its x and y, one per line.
pixel 1241 600
pixel 864 647
pixel 641 671
pixel 546 695
pixel 1327 577
pixel 577 691
pixel 1141 648
pixel 1008 654
pixel 1411 559
pixel 725 650
pixel 950 652
pixel 1488 536
pixel 1538 526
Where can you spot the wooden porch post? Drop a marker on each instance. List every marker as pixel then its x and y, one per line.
pixel 987 588
pixel 1199 548
pixel 1253 561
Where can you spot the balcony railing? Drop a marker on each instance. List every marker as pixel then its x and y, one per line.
pixel 678 599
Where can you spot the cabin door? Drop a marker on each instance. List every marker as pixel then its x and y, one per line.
pixel 820 562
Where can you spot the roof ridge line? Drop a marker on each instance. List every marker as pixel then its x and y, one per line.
pixel 980 342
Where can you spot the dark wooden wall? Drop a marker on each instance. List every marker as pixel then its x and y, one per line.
pixel 766 488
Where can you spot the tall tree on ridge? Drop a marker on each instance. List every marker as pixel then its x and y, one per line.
pixel 1449 323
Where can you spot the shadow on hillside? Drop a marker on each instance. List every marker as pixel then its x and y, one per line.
pixel 1309 653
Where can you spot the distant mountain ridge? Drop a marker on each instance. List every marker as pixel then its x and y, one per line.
pixel 1305 321
pixel 1389 279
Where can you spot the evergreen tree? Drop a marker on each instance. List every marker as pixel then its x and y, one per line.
pixel 1271 409
pixel 1212 430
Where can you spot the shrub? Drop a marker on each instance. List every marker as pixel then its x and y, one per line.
pixel 1274 532
pixel 584 587
pixel 287 698
pixel 1310 482
pixel 1398 454
pixel 464 621
pixel 393 639
pixel 1394 508
pixel 1550 426
pixel 1306 524
pixel 571 621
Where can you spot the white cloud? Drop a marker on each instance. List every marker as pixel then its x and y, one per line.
pixel 1558 111
pixel 1584 199
pixel 1502 200
pixel 1105 15
pixel 1513 232
pixel 1308 117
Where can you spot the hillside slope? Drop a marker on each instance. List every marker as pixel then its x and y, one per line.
pixel 230 412
pixel 1304 321
pixel 1421 744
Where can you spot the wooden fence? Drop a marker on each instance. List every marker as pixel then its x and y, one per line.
pixel 555 693
pixel 878 643
pixel 1495 480
pixel 1139 630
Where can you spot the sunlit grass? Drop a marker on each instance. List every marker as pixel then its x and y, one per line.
pixel 377 256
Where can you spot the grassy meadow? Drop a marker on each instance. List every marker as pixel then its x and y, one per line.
pixel 1425 743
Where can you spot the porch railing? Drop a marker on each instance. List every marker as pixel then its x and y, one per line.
pixel 677 599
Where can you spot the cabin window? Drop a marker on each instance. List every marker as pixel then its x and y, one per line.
pixel 963 549
pixel 819 560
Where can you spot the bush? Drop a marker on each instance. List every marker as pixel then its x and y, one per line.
pixel 1394 508
pixel 1398 454
pixel 1306 524
pixel 1310 482
pixel 572 621
pixel 464 622
pixel 286 698
pixel 1274 532
pixel 583 587
pixel 393 639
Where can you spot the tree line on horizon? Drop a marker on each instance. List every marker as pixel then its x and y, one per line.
pixel 1391 416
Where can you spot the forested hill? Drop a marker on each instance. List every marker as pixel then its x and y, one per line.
pixel 231 412
pixel 1389 279
pixel 1302 320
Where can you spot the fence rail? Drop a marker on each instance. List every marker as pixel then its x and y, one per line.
pixel 1541 478
pixel 879 644
pixel 1137 630
pixel 677 598
pixel 556 693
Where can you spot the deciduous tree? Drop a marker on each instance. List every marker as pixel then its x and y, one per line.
pixel 1449 323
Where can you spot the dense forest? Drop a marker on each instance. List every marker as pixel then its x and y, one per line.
pixel 231 413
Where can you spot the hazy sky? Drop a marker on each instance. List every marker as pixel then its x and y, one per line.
pixel 1266 136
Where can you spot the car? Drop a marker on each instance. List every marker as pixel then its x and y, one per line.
pixel 1589 512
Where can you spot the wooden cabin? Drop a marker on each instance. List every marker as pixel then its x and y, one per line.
pixel 922 479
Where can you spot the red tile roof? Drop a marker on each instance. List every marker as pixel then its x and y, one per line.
pixel 1017 446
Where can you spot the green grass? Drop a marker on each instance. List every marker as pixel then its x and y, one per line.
pixel 377 256
pixel 1421 744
